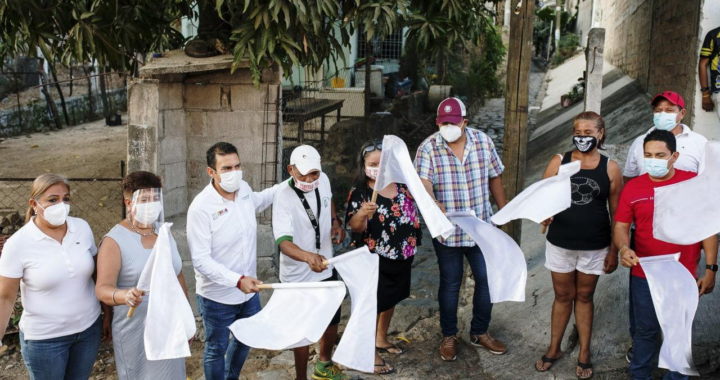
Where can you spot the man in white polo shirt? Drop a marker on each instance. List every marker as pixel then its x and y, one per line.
pixel 306 226
pixel 222 235
pixel 668 112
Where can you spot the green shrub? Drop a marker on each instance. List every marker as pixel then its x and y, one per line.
pixel 481 80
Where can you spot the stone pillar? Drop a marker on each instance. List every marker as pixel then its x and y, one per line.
pixel 594 69
pixel 143 121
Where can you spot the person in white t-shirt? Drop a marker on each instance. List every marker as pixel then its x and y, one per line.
pixel 222 236
pixel 305 226
pixel 668 112
pixel 51 260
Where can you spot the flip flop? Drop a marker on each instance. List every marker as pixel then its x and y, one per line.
pixel 384 350
pixel 388 371
pixel 583 367
pixel 546 360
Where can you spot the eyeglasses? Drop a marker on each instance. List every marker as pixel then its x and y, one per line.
pixel 373 147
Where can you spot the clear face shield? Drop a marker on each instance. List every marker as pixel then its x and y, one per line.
pixel 146 209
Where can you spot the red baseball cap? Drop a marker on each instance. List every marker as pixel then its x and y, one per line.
pixel 451 110
pixel 672 97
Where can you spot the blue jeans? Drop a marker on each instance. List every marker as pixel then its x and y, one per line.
pixel 647 329
pixel 450 261
pixel 224 356
pixel 68 357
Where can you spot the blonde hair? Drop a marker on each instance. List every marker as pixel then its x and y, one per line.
pixel 40 186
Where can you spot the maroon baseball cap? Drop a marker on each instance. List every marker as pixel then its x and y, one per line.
pixel 672 97
pixel 451 110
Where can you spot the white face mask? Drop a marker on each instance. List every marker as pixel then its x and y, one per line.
pixel 231 181
pixel 372 173
pixel 57 214
pixel 450 132
pixel 147 213
pixel 306 187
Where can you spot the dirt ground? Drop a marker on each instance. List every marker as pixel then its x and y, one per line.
pixel 90 150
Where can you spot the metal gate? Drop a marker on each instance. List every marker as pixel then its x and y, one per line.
pixel 99 201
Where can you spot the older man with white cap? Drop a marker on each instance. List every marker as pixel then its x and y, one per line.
pixel 306 226
pixel 460 170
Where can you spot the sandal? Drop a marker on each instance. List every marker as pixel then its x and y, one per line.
pixel 583 367
pixel 387 369
pixel 546 360
pixel 398 350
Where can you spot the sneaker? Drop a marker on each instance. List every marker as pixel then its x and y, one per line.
pixel 448 348
pixel 491 344
pixel 629 355
pixel 328 371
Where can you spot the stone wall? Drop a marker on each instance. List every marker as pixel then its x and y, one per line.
pixel 655 42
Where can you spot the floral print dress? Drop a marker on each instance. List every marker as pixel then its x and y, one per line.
pixel 394 231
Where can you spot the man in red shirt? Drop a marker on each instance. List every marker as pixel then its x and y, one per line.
pixel 637 206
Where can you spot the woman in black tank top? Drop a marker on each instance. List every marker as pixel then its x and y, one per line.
pixel 579 242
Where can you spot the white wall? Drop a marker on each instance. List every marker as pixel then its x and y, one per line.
pixel 706 123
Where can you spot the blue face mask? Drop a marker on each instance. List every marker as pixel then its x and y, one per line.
pixel 656 167
pixel 665 121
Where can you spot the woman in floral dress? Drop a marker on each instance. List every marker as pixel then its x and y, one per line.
pixel 389 227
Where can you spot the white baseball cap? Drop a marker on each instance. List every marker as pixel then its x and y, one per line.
pixel 306 159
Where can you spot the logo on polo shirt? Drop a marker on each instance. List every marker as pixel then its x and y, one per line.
pixel 219 214
pixel 326 202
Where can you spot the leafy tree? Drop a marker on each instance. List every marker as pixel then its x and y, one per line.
pixel 438 27
pixel 112 32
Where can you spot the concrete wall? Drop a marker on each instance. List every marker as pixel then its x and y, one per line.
pixel 584 19
pixel 175 118
pixel 655 42
pixel 704 122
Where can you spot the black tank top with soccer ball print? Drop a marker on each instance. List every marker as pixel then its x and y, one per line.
pixel 585 225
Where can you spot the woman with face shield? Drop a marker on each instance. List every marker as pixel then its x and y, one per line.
pixel 122 257
pixel 51 260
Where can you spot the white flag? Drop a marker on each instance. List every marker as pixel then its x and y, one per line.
pixel 505 261
pixel 396 166
pixel 542 199
pixel 296 315
pixel 675 297
pixel 359 271
pixel 687 212
pixel 169 323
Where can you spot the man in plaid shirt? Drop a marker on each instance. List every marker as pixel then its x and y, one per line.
pixel 460 170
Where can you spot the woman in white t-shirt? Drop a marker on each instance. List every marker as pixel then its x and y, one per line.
pixel 51 260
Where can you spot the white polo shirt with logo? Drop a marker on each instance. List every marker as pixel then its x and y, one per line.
pixel 690 145
pixel 56 285
pixel 291 223
pixel 222 236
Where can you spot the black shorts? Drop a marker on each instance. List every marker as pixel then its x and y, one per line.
pixel 336 318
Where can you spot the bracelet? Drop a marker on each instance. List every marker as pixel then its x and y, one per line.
pixel 706 96
pixel 113 297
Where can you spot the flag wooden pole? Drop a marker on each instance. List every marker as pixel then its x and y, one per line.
pixel 131 310
pixel 374 196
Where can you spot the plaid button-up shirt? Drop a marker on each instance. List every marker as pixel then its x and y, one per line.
pixel 460 185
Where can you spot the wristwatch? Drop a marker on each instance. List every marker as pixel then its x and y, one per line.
pixel 703 89
pixel 713 267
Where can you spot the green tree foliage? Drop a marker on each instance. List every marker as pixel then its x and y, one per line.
pixel 112 32
pixel 437 27
pixel 481 80
pixel 303 32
